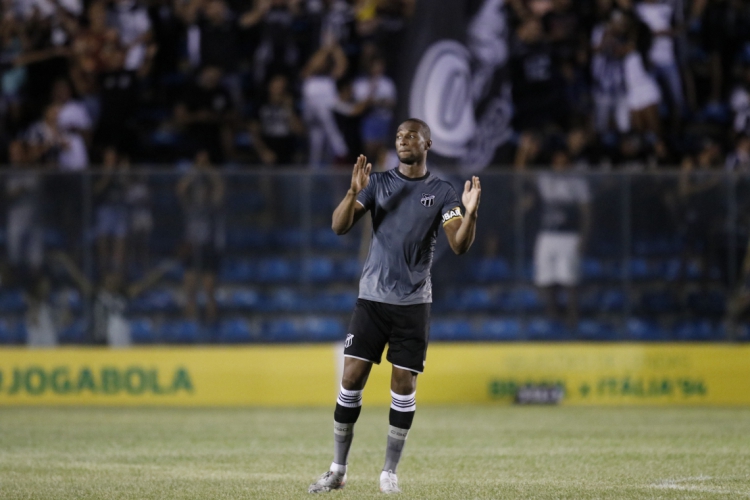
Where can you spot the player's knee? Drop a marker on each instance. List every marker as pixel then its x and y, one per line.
pixel 352 382
pixel 403 382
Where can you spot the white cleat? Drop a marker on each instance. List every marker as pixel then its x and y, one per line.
pixel 389 482
pixel 328 482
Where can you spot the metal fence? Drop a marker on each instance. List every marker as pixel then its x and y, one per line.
pixel 247 255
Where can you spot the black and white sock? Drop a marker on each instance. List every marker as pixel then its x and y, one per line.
pixel 348 406
pixel 400 418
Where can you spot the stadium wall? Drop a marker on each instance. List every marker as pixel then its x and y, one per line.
pixel 308 375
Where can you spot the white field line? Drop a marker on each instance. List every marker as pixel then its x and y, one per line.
pixel 683 484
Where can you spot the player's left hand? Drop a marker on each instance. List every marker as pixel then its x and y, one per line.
pixel 472 193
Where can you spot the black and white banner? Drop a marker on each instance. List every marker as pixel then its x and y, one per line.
pixel 453 76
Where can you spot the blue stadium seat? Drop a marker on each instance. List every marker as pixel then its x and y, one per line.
pixel 181 331
pixel 659 302
pixel 12 301
pixel 589 329
pixel 450 329
pixel 318 269
pixel 701 330
pixel 164 137
pixel 743 332
pixel 142 331
pixel 593 269
pixel 348 269
pixel 645 330
pixel 288 237
pixel 244 299
pixel 520 300
pixel 641 270
pixel 674 269
pixel 326 239
pixel 159 300
pixel 283 330
pixel 247 238
pixel 74 333
pixel 338 302
pixel 277 270
pixel 55 238
pixel 285 299
pixel 546 329
pixel 244 201
pixel 69 298
pixel 490 270
pixel 235 270
pixel 612 300
pixel 12 331
pixel 500 329
pixel 664 245
pixel 236 330
pixel 323 329
pixel 473 299
pixel 709 303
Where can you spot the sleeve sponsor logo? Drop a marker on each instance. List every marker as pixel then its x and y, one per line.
pixel 451 214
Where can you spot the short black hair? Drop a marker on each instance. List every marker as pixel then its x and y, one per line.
pixel 423 125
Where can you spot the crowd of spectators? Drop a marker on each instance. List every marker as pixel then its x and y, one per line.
pixel 253 82
pixel 311 81
pixel 630 84
pixel 111 85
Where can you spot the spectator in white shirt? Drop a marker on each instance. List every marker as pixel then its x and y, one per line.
pixel 740 102
pixel 73 116
pixel 658 15
pixel 377 87
pixel 131 20
pixel 319 98
pixel 50 144
pixel 643 93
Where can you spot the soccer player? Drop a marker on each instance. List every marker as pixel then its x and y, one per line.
pixel 407 205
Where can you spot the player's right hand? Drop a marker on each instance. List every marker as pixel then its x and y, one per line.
pixel 361 174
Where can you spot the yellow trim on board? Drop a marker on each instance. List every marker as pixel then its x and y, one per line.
pixel 307 375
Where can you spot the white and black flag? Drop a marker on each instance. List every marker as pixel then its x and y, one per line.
pixel 453 76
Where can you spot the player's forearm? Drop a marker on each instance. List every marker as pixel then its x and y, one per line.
pixel 466 233
pixel 343 216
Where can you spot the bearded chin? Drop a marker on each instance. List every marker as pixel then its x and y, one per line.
pixel 408 159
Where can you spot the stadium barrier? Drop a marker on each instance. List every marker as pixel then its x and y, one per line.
pixel 308 375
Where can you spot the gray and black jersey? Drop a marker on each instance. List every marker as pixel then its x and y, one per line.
pixel 406 214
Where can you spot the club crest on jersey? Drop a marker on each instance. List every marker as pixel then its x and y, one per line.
pixel 349 339
pixel 427 200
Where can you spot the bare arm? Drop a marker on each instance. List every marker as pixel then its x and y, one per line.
pixel 349 211
pixel 340 62
pixel 461 236
pixel 149 280
pixel 81 281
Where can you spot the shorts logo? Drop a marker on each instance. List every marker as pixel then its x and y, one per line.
pixel 349 339
pixel 427 200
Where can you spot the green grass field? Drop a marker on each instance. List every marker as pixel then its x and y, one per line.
pixel 453 452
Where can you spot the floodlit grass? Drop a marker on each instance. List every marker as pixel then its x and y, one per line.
pixel 463 453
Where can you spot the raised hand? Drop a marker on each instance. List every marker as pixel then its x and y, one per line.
pixel 472 193
pixel 361 174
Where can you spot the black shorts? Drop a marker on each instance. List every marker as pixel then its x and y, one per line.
pixel 406 330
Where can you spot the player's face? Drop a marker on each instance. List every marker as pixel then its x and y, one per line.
pixel 410 143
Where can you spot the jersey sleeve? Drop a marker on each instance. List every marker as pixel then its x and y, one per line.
pixel 451 208
pixel 366 197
